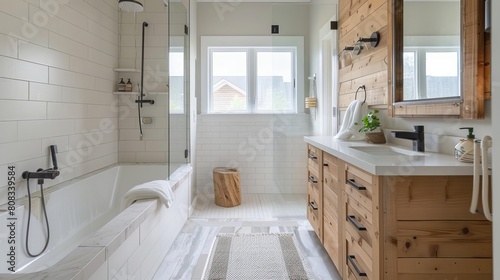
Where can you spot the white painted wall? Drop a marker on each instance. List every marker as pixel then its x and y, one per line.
pixel 57 78
pixel 427 18
pixel 321 11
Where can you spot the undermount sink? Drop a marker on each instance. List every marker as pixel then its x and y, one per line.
pixel 386 151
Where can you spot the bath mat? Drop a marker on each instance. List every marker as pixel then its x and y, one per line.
pixel 256 256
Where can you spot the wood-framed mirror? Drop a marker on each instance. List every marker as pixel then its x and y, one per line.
pixel 465 99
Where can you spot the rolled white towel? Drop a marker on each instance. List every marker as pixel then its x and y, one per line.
pixel 155 189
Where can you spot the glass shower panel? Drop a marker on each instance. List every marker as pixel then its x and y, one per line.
pixel 178 72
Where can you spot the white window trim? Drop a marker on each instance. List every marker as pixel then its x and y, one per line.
pixel 252 41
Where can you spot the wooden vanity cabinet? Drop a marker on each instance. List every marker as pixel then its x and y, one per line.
pixel 397 227
pixel 430 233
pixel 315 189
pixel 361 223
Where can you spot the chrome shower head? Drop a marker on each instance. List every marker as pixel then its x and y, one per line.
pixel 130 6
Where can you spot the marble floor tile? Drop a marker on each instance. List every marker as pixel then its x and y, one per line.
pixel 269 213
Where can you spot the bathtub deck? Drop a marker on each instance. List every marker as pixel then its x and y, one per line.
pixel 262 213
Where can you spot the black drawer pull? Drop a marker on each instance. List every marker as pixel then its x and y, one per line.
pixel 355 223
pixel 353 184
pixel 313 157
pixel 313 205
pixel 313 180
pixel 354 263
pixel 325 164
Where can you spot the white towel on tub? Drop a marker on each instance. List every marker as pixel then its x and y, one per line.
pixel 155 189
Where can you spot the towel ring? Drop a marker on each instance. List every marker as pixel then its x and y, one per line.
pixel 356 95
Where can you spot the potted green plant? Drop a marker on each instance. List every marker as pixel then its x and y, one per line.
pixel 371 128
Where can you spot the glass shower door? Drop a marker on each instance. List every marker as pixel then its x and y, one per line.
pixel 178 73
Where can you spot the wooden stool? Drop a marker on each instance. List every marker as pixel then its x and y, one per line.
pixel 227 186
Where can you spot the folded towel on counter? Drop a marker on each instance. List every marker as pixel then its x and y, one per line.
pixel 348 130
pixel 155 189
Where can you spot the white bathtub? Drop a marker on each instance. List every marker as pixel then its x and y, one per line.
pixel 90 237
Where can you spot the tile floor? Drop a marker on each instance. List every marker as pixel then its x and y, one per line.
pixel 257 213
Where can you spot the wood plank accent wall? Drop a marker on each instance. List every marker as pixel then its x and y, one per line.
pixel 487 66
pixel 360 18
pixel 373 66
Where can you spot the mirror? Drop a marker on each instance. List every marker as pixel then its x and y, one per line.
pixel 431 50
pixel 437 61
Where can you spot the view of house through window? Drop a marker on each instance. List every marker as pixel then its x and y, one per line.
pixel 252 80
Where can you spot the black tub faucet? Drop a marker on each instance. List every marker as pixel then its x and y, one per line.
pixel 416 136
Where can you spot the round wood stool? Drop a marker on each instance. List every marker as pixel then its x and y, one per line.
pixel 227 186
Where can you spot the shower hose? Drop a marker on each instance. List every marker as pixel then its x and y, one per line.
pixel 29 220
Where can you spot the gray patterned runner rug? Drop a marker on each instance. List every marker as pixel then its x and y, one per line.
pixel 256 256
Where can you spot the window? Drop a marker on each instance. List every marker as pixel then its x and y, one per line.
pixel 251 76
pixel 176 89
pixel 431 72
pixel 257 80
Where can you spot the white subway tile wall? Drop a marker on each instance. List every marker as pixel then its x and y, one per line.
pixel 269 150
pixel 57 79
pixel 154 145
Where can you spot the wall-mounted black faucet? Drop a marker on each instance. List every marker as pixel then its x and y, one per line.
pixel 41 174
pixel 416 136
pixel 142 101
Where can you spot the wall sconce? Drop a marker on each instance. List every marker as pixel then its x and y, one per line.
pixel 373 40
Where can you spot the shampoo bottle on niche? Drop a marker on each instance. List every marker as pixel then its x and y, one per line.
pixel 121 85
pixel 128 86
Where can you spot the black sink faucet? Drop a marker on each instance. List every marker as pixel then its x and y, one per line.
pixel 417 136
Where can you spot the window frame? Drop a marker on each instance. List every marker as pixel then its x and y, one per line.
pixel 262 43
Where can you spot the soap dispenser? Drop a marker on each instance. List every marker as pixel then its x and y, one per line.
pixel 464 150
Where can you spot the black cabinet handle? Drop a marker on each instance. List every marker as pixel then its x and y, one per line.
pixel 313 205
pixel 313 180
pixel 311 156
pixel 354 263
pixel 325 164
pixel 353 184
pixel 352 220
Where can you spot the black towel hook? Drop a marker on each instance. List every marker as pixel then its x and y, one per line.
pixel 356 95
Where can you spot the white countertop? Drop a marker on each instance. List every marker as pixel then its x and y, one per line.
pixel 400 165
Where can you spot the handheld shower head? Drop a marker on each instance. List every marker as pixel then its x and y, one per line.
pixel 53 152
pixel 130 6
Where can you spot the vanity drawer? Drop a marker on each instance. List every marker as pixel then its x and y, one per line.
pixel 360 231
pixel 313 184
pixel 330 173
pixel 351 275
pixel 313 209
pixel 359 185
pixel 358 263
pixel 314 159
